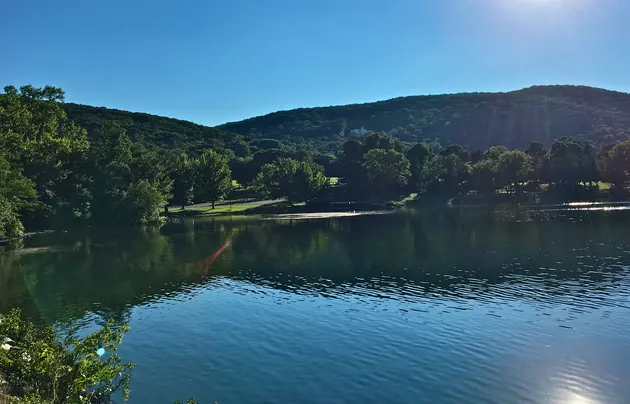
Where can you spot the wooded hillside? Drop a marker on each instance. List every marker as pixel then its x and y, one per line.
pixel 474 120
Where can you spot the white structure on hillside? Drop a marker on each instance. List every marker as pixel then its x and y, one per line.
pixel 361 131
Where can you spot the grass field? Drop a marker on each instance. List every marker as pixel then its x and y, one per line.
pixel 409 198
pixel 603 186
pixel 223 209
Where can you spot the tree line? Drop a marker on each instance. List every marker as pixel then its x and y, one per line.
pixel 570 167
pixel 54 173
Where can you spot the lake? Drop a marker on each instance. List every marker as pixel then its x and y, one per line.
pixel 418 306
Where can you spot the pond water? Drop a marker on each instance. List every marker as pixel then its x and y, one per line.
pixel 432 306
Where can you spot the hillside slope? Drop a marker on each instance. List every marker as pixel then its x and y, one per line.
pixel 152 129
pixel 476 120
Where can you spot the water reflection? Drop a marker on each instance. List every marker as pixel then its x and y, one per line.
pixel 471 305
pixel 451 254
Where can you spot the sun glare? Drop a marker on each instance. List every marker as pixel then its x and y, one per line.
pixel 550 15
pixel 540 2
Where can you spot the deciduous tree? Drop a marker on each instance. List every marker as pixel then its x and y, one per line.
pixel 212 178
pixel 295 180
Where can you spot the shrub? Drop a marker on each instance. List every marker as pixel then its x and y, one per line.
pixel 38 366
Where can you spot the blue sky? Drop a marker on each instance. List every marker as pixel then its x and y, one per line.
pixel 212 61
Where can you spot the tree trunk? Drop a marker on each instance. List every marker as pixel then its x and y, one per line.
pixel 213 204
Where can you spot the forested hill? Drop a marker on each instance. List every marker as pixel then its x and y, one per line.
pixel 152 129
pixel 475 120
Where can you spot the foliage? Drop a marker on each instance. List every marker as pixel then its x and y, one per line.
pixel 418 156
pixel 37 367
pixel 180 169
pixel 513 167
pixel 484 176
pixel 445 174
pixel 615 163
pixel 265 144
pixel 156 131
pixel 475 121
pixel 45 147
pixel 144 201
pixel 457 150
pixel 54 173
pixel 212 177
pixel 572 160
pixel 291 179
pixel 128 182
pixel 387 169
pixel 10 224
pixel 353 150
pixel 110 178
pixel 494 152
pixel 15 194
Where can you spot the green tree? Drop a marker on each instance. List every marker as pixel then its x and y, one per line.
pixel 39 366
pixel 540 162
pixel 180 170
pixel 295 180
pixel 240 148
pixel 48 149
pixel 458 150
pixel 387 169
pixel 445 174
pixel 418 156
pixel 212 178
pixel 564 160
pixel 476 156
pixel 264 144
pixel 494 152
pixel 615 164
pixel 353 150
pixel 372 141
pixel 16 192
pixel 129 183
pixel 483 176
pixel 513 167
pixel 144 200
pixel 572 161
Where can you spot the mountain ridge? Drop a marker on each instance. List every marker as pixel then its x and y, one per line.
pixel 476 120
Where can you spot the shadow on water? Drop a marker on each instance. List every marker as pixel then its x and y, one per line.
pixel 470 253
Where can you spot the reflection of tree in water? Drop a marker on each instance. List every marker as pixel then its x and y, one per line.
pixel 438 251
pixel 106 272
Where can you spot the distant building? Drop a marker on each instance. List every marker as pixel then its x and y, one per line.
pixel 361 131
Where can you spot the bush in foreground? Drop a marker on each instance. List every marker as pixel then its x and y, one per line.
pixel 36 366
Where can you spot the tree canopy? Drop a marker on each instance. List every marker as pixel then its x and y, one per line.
pixel 388 169
pixel 291 179
pixel 212 177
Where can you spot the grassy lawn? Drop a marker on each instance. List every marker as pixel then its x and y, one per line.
pixel 604 186
pixel 405 200
pixel 222 209
pixel 409 198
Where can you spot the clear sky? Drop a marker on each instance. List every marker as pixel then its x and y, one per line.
pixel 212 61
